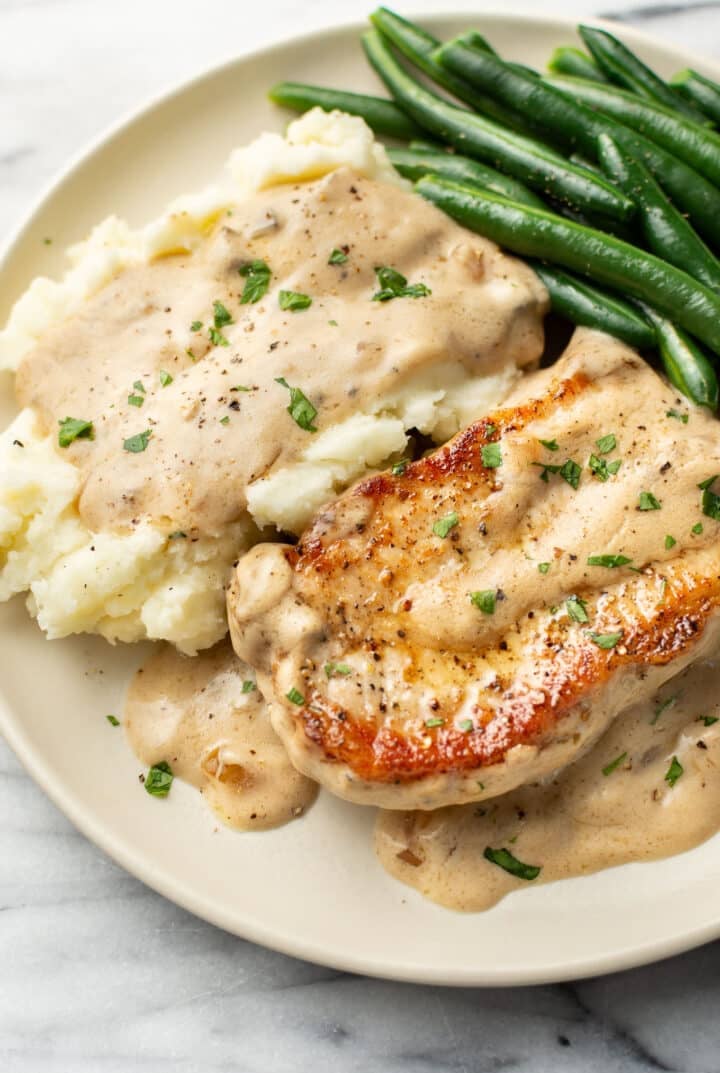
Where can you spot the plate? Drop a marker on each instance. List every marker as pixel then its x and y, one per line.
pixel 312 889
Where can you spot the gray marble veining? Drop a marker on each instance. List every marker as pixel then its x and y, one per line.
pixel 97 973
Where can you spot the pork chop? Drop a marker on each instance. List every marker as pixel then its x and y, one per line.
pixel 474 620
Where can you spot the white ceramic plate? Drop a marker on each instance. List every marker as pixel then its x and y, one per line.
pixel 313 888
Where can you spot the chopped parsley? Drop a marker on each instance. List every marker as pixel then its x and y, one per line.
pixel 543 567
pixel 165 378
pixel 485 600
pixel 295 696
pixel 191 353
pixel 680 417
pixel 670 542
pixel 338 257
pixel 216 338
pixel 136 400
pixel 569 471
pixel 606 444
pixel 196 326
pixel 442 526
pixel 225 420
pixel 601 468
pixel 663 707
pixel 697 528
pixel 614 764
pixel 605 640
pixel 674 772
pixel 73 428
pixel 610 561
pixel 300 409
pixel 178 535
pixel 240 387
pixel 257 280
pixel 293 301
pixel 113 720
pixel 394 285
pixel 503 858
pixel 248 686
pixel 435 721
pixel 576 609
pixel 399 467
pixel 647 501
pixel 221 316
pixel 551 445
pixel 708 720
pixel 491 454
pixel 333 670
pixel 159 779
pixel 466 725
pixel 137 444
pixel 710 499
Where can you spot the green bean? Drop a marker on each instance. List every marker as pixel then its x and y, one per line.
pixel 585 305
pixel 624 68
pixel 685 363
pixel 666 232
pixel 417 45
pixel 382 116
pixel 700 91
pixel 579 127
pixel 566 60
pixel 606 260
pixel 539 167
pixel 425 145
pixel 696 145
pixel 413 165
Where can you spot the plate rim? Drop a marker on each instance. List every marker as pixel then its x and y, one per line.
pixel 124 853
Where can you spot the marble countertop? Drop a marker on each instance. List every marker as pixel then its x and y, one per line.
pixel 98 973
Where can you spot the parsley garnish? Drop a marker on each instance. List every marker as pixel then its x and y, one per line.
pixel 614 764
pixel 576 609
pixel 442 526
pixel 485 600
pixel 300 409
pixel 435 721
pixel 295 696
pixel 670 542
pixel 137 444
pixel 605 640
pixel 225 420
pixel 710 500
pixel 136 400
pixel 606 444
pixel 165 378
pixel 221 316
pixel 178 535
pixel 113 720
pixel 240 387
pixel 394 285
pixel 697 528
pixel 662 708
pixel 647 501
pixel 196 326
pixel 159 779
pixel 674 772
pixel 257 276
pixel 491 454
pixel 466 725
pixel 399 467
pixel 676 413
pixel 338 257
pixel 293 301
pixel 569 471
pixel 551 445
pixel 72 428
pixel 216 338
pixel 708 720
pixel 503 858
pixel 334 669
pixel 543 567
pixel 248 686
pixel 610 561
pixel 603 469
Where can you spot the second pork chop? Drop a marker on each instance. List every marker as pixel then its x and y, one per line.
pixel 474 620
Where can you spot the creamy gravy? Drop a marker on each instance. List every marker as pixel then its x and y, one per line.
pixel 196 714
pixel 210 437
pixel 582 820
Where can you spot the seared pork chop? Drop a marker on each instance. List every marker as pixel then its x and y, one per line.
pixel 476 619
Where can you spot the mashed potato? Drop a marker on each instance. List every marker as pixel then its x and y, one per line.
pixel 148 583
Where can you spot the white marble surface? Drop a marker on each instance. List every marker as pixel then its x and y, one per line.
pixel 97 973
